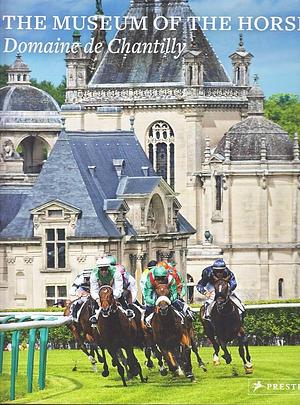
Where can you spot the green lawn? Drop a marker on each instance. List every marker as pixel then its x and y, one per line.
pixel 220 385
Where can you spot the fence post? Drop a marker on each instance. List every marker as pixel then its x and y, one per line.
pixel 43 357
pixel 6 319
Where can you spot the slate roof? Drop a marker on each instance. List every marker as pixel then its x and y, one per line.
pixel 80 172
pixel 245 140
pixel 26 98
pixel 11 199
pixel 137 185
pixel 158 68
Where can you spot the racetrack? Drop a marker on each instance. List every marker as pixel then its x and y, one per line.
pixel 224 384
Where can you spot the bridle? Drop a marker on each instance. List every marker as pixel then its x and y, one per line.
pixel 107 307
pixel 222 292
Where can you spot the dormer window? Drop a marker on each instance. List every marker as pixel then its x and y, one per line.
pixel 55 213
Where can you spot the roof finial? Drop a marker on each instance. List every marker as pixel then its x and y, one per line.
pixel 207 151
pixel 241 43
pixel 99 8
pixel 256 78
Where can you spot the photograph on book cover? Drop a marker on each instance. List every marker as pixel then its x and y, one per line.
pixel 150 201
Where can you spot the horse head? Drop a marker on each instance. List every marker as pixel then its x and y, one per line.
pixel 162 305
pixel 222 292
pixel 107 301
pixel 162 289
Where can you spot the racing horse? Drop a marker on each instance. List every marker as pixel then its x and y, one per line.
pixel 116 332
pixel 84 333
pixel 226 325
pixel 170 334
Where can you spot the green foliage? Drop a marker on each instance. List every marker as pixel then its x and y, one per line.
pixel 3 75
pixel 266 323
pixel 57 92
pixel 284 109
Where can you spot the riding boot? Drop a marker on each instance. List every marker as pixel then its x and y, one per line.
pixel 75 308
pixel 129 312
pixel 94 306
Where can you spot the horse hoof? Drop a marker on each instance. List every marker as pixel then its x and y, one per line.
pixel 190 376
pixel 248 369
pixel 164 372
pixel 228 359
pixel 216 362
pixel 105 373
pixel 204 368
pixel 144 379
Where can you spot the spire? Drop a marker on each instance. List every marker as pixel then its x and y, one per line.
pixel 256 98
pixel 18 72
pixel 241 60
pixel 99 8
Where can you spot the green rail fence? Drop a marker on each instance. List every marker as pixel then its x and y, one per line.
pixel 15 325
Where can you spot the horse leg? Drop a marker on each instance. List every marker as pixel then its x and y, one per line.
pixel 149 362
pixel 115 361
pixel 187 363
pixel 105 371
pixel 134 365
pixel 195 350
pixel 226 356
pixel 209 331
pixel 162 369
pixel 82 346
pixel 243 344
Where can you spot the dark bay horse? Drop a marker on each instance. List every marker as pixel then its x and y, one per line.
pixel 116 332
pixel 171 335
pixel 226 325
pixel 84 333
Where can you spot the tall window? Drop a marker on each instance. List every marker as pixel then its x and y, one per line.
pixel 56 248
pixel 218 193
pixel 280 288
pixel 161 151
pixel 55 293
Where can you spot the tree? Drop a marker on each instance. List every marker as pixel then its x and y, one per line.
pixel 57 92
pixel 3 75
pixel 284 109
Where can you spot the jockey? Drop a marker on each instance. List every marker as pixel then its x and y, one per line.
pixel 81 289
pixel 106 274
pixel 181 288
pixel 160 274
pixel 129 284
pixel 145 273
pixel 206 287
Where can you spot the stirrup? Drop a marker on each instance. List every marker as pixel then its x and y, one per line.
pixel 93 319
pixel 129 313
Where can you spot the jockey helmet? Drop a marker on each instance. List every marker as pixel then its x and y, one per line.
pixel 103 262
pixel 163 264
pixel 159 272
pixel 87 273
pixel 121 268
pixel 219 265
pixel 152 263
pixel 112 259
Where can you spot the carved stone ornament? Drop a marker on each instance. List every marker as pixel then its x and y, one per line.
pixel 81 259
pixel 11 260
pixel 28 259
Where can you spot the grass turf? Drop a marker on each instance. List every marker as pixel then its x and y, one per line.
pixel 224 384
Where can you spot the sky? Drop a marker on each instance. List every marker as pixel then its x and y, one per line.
pixel 276 53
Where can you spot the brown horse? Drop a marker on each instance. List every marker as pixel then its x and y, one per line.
pixel 84 333
pixel 171 335
pixel 226 325
pixel 116 331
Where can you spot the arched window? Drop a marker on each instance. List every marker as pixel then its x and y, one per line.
pixel 161 150
pixel 280 288
pixel 34 150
